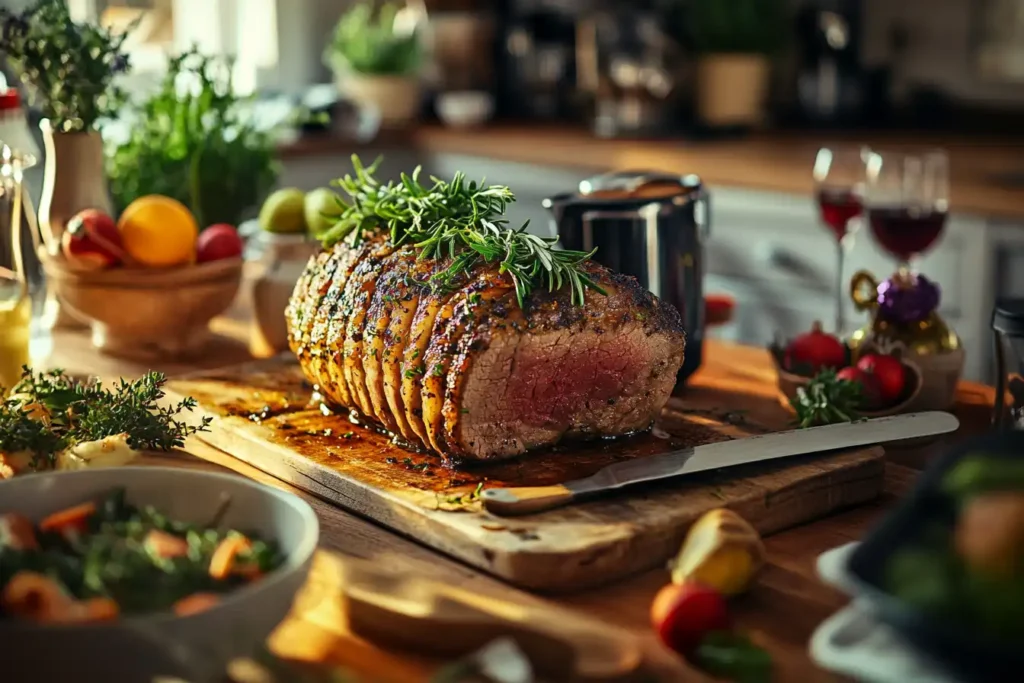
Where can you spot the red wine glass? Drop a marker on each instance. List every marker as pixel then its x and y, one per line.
pixel 839 176
pixel 907 202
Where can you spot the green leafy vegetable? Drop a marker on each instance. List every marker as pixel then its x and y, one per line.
pixel 50 411
pixel 195 140
pixel 459 221
pixel 826 400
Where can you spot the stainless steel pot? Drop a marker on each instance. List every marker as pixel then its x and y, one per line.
pixel 649 225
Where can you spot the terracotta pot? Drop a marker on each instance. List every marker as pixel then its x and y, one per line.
pixel 73 180
pixel 147 314
pixel 397 98
pixel 732 89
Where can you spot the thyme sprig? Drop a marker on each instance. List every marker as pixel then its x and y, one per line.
pixel 460 220
pixel 48 412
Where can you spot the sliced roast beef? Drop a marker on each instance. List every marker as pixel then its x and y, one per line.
pixel 468 372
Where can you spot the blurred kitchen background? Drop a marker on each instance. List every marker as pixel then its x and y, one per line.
pixel 541 94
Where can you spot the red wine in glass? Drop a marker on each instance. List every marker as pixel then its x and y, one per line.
pixel 905 232
pixel 838 207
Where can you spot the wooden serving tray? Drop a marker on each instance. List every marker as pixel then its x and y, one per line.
pixel 262 416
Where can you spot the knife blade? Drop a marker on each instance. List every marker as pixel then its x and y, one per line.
pixel 752 449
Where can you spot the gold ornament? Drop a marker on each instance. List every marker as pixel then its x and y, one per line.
pixel 928 337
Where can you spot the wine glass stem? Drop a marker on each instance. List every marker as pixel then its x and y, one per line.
pixel 840 289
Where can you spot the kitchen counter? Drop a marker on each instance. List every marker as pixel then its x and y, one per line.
pixel 981 170
pixel 782 609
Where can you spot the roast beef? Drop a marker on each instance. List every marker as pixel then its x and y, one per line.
pixel 467 372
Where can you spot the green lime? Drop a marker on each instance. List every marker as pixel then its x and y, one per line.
pixel 322 209
pixel 284 211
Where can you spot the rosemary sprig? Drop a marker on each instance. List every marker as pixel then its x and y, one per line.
pixel 50 411
pixel 460 220
pixel 826 400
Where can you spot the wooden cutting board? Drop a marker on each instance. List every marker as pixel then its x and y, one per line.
pixel 262 416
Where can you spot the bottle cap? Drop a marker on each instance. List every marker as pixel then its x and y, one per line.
pixel 9 99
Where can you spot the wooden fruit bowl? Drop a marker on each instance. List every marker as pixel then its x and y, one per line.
pixel 146 313
pixel 789 382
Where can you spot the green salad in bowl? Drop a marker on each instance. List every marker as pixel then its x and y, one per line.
pixel 137 572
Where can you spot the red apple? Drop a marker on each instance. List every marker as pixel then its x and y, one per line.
pixel 683 614
pixel 871 395
pixel 91 240
pixel 889 374
pixel 219 241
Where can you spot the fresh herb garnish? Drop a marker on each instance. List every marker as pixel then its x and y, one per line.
pixel 50 411
pixel 459 220
pixel 826 400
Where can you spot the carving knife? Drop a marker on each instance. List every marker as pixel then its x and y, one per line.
pixel 753 449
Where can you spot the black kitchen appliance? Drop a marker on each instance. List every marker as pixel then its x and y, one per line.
pixel 832 83
pixel 649 225
pixel 536 60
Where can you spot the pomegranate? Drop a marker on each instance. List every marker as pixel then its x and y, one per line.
pixel 814 351
pixel 889 373
pixel 870 394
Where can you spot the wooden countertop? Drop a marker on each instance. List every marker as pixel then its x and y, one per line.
pixel 779 162
pixel 781 610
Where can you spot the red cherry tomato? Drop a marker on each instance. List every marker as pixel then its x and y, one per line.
pixel 683 614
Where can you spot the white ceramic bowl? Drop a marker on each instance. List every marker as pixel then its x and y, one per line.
pixel 465 108
pixel 196 648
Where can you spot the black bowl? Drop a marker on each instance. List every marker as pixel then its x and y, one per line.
pixel 967 651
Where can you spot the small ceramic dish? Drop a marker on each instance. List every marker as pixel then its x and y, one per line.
pixel 465 108
pixel 144 648
pixel 788 383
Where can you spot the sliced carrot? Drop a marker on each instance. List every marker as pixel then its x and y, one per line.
pixel 17 532
pixel 224 555
pixel 35 596
pixel 195 603
pixel 72 518
pixel 165 545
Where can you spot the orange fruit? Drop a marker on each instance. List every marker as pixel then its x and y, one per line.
pixel 158 231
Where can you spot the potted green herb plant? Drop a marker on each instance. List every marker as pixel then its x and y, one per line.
pixel 376 61
pixel 734 40
pixel 69 71
pixel 194 139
